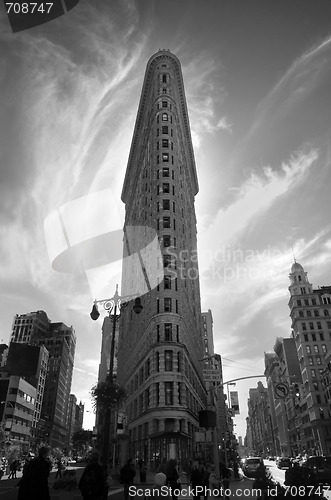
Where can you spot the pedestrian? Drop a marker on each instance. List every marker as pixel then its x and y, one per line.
pixel 59 468
pixel 13 469
pixel 172 477
pixel 142 472
pixel 205 480
pixel 34 482
pixel 127 475
pixel 196 480
pixel 93 484
pixel 225 477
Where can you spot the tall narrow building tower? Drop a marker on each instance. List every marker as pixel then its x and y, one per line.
pixel 160 351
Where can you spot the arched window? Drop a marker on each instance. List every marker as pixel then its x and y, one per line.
pixel 164 78
pixel 326 312
pixel 164 117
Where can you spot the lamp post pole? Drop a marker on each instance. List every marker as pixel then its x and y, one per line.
pixel 112 305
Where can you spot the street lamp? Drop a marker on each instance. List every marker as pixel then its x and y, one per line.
pixel 112 305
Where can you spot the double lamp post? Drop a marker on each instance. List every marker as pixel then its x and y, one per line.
pixel 113 306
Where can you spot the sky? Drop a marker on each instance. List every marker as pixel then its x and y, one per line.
pixel 257 75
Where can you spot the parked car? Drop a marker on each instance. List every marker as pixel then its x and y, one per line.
pixel 251 465
pixel 321 466
pixel 284 463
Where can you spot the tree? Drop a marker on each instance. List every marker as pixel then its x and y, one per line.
pixel 107 395
pixel 81 439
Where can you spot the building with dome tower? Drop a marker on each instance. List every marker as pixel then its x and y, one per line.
pixel 310 312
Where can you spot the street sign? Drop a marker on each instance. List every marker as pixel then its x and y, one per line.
pixel 231 412
pixel 281 390
pixel 211 376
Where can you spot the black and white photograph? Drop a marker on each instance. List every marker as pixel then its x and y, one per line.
pixel 165 252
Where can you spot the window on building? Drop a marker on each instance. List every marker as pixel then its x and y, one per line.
pixel 310 361
pixel 299 303
pixel 305 336
pixel 313 373
pixel 313 301
pixel 326 312
pixel 319 325
pixel 165 143
pixel 168 361
pixel 157 306
pixel 165 129
pixel 157 333
pixel 301 314
pixel 316 313
pixel 316 350
pixel 174 207
pixel 165 157
pixel 306 302
pixel 328 324
pixel 318 360
pixel 148 368
pixel 166 204
pixel 179 361
pixel 166 260
pixel 166 187
pixel 308 314
pixel 157 361
pixel 164 104
pixel 311 326
pixel 168 332
pixel 303 290
pixel 313 336
pixel 157 393
pixel 164 78
pixel 169 393
pixel 158 206
pixel 304 326
pixel 308 349
pixel 321 336
pixel 167 304
pixel 177 333
pixel 179 393
pixel 166 222
pixel 165 172
pixel 318 399
pixel 167 282
pixel 323 346
pixel 315 385
pixel 164 117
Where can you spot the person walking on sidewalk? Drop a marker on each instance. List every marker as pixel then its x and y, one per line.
pixel 127 475
pixel 59 468
pixel 34 482
pixel 92 484
pixel 13 469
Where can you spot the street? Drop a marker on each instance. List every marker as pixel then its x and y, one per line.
pixel 279 476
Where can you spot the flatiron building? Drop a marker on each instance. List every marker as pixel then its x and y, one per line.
pixel 160 350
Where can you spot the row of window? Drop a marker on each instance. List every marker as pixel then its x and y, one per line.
pixel 166 205
pixel 313 327
pixel 164 117
pixel 316 313
pixel 311 360
pixel 168 303
pixel 142 403
pixel 164 158
pixel 19 392
pixel 313 337
pixel 316 349
pixel 312 302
